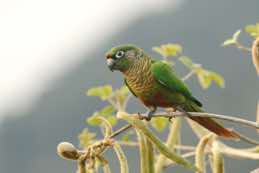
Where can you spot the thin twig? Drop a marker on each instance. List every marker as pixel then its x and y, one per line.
pixel 243 48
pixel 209 115
pixel 190 74
pixel 119 131
pixel 247 139
pixel 238 153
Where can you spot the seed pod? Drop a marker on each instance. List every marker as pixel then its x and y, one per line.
pixel 67 150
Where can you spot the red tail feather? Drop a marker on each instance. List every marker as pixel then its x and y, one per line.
pixel 215 127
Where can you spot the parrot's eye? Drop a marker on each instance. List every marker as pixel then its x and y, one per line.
pixel 119 54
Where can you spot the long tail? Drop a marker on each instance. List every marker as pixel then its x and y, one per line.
pixel 209 123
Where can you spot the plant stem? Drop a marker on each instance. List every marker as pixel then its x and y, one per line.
pixel 201 152
pixel 162 148
pixel 217 158
pixel 170 143
pixel 146 162
pixel 121 157
pixel 178 147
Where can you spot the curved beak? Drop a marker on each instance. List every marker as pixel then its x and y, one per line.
pixel 110 62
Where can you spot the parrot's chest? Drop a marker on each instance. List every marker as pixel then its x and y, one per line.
pixel 141 85
pixel 149 91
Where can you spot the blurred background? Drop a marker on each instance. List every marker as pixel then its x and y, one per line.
pixel 51 51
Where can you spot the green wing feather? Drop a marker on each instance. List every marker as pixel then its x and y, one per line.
pixel 165 75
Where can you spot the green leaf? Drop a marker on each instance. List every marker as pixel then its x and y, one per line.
pixel 159 123
pixel 253 30
pixel 218 79
pixel 204 78
pixel 232 40
pixel 167 50
pixel 107 110
pixel 86 138
pixel 93 120
pixel 113 120
pixel 228 42
pixel 124 90
pixel 187 61
pixel 102 91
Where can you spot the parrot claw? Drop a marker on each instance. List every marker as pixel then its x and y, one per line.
pixel 144 117
pixel 141 117
pixel 148 115
pixel 171 119
pixel 170 113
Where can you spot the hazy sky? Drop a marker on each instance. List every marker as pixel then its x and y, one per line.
pixel 38 37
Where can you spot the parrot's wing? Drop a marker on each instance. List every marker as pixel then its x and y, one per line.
pixel 165 75
pixel 125 81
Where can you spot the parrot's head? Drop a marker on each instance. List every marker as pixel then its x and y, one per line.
pixel 122 57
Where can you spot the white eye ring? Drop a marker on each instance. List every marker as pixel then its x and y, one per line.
pixel 119 54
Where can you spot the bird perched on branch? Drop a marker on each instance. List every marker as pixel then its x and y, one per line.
pixel 156 85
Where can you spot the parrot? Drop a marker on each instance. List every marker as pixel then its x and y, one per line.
pixel 156 84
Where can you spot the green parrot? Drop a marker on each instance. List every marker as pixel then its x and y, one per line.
pixel 156 85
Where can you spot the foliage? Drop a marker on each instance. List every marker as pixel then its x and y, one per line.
pixel 205 77
pixel 103 91
pixel 253 30
pixel 170 49
pixel 106 112
pixel 232 40
pixel 86 138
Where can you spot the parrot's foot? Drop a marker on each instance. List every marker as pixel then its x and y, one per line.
pixel 144 116
pixel 170 119
pixel 170 112
pixel 148 115
pixel 140 116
